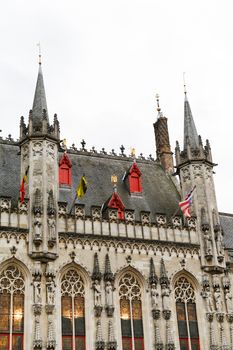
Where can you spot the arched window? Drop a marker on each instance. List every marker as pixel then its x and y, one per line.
pixel 65 175
pixel 186 315
pixel 73 311
pixel 12 287
pixel 131 313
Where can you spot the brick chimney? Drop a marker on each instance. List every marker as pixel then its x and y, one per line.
pixel 163 148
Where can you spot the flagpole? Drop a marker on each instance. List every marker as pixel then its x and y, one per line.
pixel 73 204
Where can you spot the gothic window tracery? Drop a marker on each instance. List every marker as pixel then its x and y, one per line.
pixel 131 313
pixel 73 311
pixel 186 315
pixel 12 288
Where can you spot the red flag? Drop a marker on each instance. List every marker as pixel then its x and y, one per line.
pixel 22 191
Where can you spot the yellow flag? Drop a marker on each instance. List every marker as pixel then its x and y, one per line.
pixel 82 187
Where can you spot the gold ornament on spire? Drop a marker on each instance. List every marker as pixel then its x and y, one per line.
pixel 114 179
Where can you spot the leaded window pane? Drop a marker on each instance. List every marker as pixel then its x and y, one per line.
pixel 73 311
pixel 67 343
pixel 12 288
pixel 18 309
pixel 131 312
pixel 126 343
pixel 80 343
pixel 138 344
pixel 17 342
pixel 4 341
pixel 186 314
pixel 4 313
pixel 66 315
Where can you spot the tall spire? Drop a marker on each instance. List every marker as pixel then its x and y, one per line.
pixel 39 108
pixel 190 131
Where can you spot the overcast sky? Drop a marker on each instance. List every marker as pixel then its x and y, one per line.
pixel 103 62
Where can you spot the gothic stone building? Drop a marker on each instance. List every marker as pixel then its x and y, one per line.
pixel 121 268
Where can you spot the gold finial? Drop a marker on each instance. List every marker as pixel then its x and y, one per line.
pixel 114 180
pixel 157 99
pixel 39 50
pixel 64 144
pixel 185 91
pixel 133 152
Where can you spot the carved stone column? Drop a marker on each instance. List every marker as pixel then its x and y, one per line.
pixel 109 287
pixel 158 340
pixel 213 343
pixel 50 305
pixel 230 320
pixel 170 345
pixel 37 305
pixel 37 340
pixel 112 344
pixel 99 344
pixel 96 278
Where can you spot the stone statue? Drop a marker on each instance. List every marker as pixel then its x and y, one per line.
pixel 228 299
pixel 109 294
pixel 218 300
pixel 37 295
pixel 37 225
pixel 208 243
pixel 209 299
pixel 166 297
pixel 52 226
pixel 154 297
pixel 97 293
pixel 219 244
pixel 50 291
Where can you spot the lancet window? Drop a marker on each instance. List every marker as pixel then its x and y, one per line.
pixel 131 313
pixel 186 315
pixel 12 288
pixel 73 311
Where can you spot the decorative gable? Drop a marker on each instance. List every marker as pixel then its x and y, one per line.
pixel 134 177
pixel 65 173
pixel 116 202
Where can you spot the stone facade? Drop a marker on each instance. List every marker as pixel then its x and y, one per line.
pixel 50 250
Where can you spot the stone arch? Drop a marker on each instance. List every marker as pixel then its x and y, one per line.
pixel 15 261
pixel 134 270
pixel 190 277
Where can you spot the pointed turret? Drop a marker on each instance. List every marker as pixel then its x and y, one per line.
pixel 190 131
pixel 39 108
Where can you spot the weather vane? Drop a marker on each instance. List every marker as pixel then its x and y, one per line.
pixel 157 99
pixel 185 91
pixel 39 49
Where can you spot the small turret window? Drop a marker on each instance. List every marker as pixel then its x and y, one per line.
pixel 65 174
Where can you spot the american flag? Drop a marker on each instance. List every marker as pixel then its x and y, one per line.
pixel 186 204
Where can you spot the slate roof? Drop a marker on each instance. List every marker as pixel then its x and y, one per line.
pixel 9 171
pixel 226 221
pixel 39 102
pixel 159 192
pixel 190 130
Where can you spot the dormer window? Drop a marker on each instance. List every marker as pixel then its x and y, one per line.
pixel 115 202
pixel 134 176
pixel 65 174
